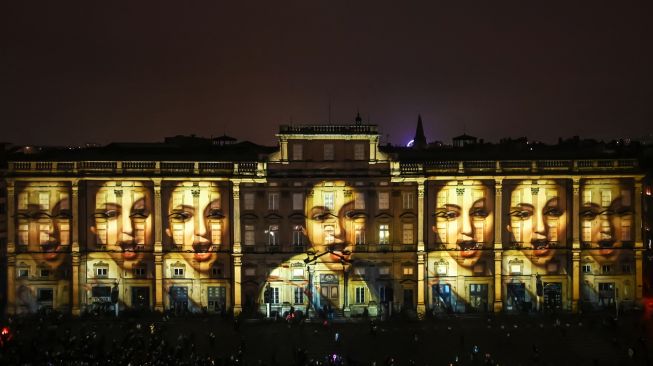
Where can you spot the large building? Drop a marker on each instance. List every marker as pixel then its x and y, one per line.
pixel 328 220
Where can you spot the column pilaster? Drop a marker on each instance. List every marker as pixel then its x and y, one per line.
pixel 498 245
pixel 575 245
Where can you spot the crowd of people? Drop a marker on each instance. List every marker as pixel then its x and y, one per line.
pixel 57 339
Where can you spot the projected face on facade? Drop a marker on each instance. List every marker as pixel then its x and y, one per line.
pixel 607 216
pixel 122 217
pixel 44 220
pixel 331 222
pixel 463 216
pixel 195 218
pixel 538 216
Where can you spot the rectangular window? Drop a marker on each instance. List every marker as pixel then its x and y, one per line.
pixel 408 270
pixel 359 201
pixel 298 235
pixel 273 235
pixel 44 201
pixel 23 272
pixel 625 230
pixel 587 231
pixel 384 271
pixel 298 202
pixel 216 233
pixel 359 152
pixel 407 200
pixel 553 230
pixel 606 231
pixel 101 237
pixel 606 198
pixel 442 232
pixel 516 231
pixel 23 200
pixel 329 234
pixel 479 232
pixel 360 295
pixel 625 198
pixel 359 271
pixel 23 234
pixel 329 200
pixel 273 201
pixel 625 268
pixel 249 235
pixel 275 295
pixel 407 234
pixel 178 233
pixel 587 196
pixel 298 295
pixel 64 233
pixel 44 234
pixel 384 234
pixel 587 268
pixel 297 273
pixel 216 270
pixel 215 201
pixel 178 272
pixel 64 203
pixel 139 233
pixel 606 269
pixel 177 200
pixel 139 272
pixel 384 200
pixel 359 232
pixel 101 272
pixel 248 201
pixel 328 152
pixel 384 293
pixel 297 152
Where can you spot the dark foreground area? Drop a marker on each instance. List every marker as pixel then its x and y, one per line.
pixel 596 339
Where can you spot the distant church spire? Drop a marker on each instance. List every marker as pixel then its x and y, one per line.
pixel 419 142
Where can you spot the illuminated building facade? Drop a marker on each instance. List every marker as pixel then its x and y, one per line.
pixel 328 221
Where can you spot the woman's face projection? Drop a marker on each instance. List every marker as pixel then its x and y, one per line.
pixel 606 216
pixel 122 217
pixel 44 219
pixel 195 218
pixel 463 217
pixel 538 216
pixel 331 221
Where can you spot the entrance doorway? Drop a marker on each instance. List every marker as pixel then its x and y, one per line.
pixel 217 299
pixel 478 297
pixel 441 297
pixel 607 292
pixel 408 299
pixel 516 297
pixel 179 299
pixel 329 294
pixel 552 296
pixel 140 298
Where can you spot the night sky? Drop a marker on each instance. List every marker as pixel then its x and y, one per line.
pixel 103 71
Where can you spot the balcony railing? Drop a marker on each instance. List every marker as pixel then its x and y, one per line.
pixel 513 166
pixel 141 167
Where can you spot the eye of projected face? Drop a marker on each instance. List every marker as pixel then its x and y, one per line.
pixel 478 210
pixel 110 212
pixel 183 214
pixel 522 211
pixel 448 212
pixel 319 214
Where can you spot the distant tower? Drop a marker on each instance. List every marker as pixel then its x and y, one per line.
pixel 358 119
pixel 419 142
